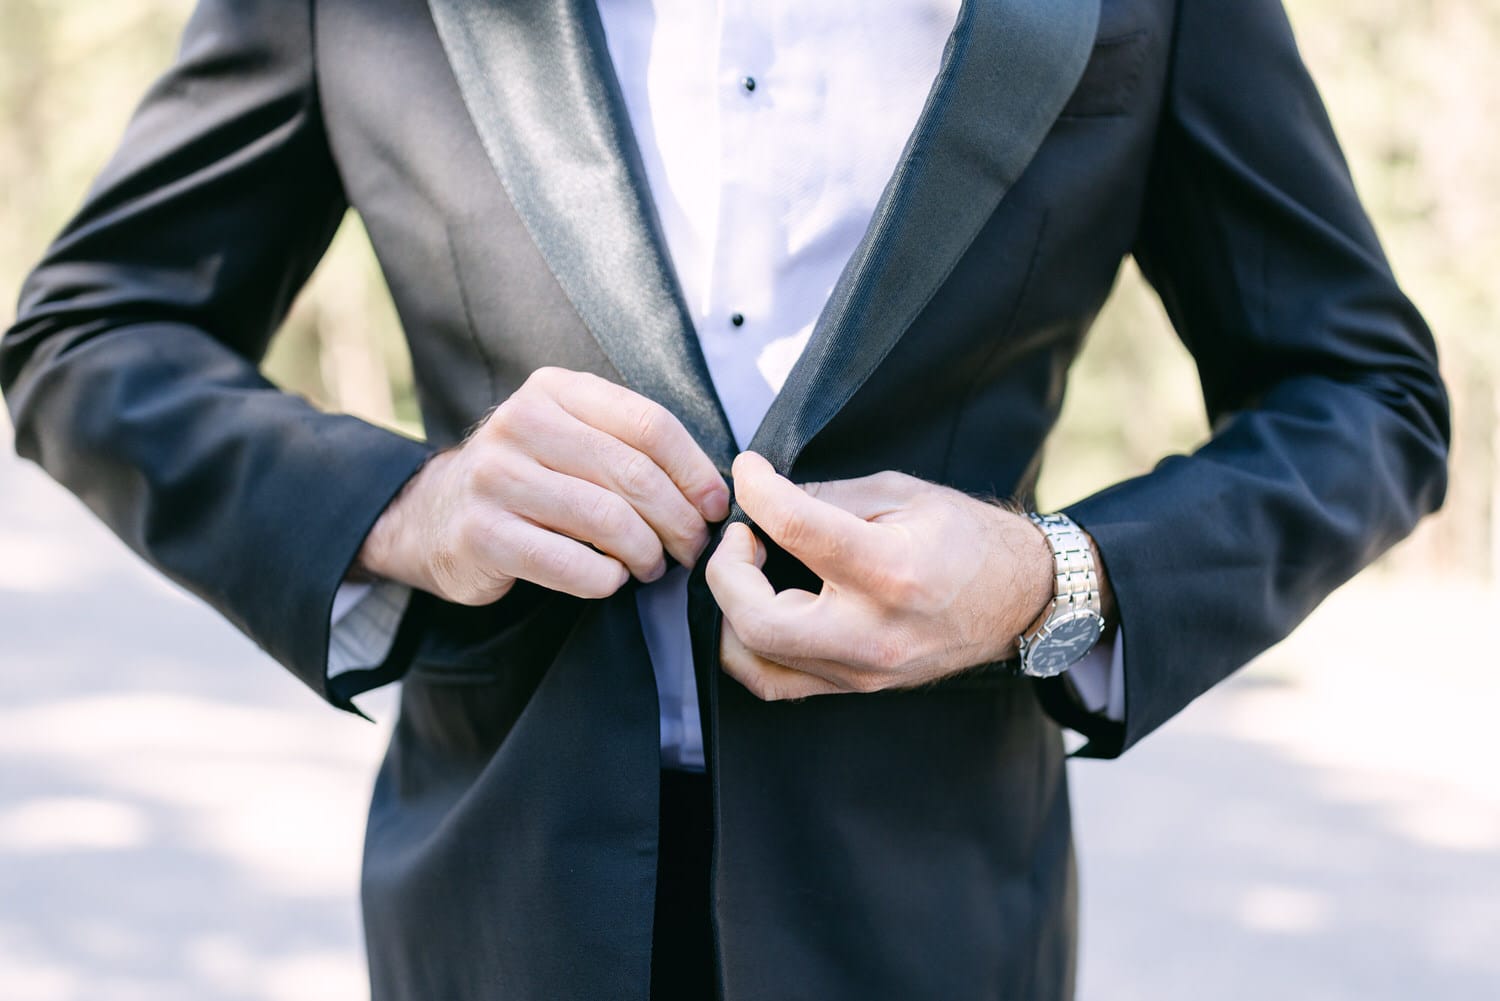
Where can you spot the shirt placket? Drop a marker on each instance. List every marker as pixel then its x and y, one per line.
pixel 737 316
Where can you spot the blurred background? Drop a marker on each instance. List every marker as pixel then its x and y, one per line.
pixel 180 820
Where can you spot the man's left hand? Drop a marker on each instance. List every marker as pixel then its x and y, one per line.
pixel 920 581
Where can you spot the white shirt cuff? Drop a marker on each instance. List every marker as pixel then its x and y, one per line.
pixel 1099 679
pixel 363 624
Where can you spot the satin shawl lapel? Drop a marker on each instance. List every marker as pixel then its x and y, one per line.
pixel 1009 67
pixel 537 80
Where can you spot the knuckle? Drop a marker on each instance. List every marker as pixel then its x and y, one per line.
pixel 643 550
pixel 514 418
pixel 504 414
pixel 794 530
pixel 534 558
pixel 651 424
pixel 546 378
pixel 480 429
pixel 907 589
pixel 899 585
pixel 635 475
pixel 561 562
pixel 686 529
pixel 866 682
pixel 612 524
pixel 692 533
pixel 602 511
pixel 484 472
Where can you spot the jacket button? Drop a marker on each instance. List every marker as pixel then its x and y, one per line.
pixel 738 319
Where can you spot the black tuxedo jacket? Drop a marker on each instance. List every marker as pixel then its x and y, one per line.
pixel 896 845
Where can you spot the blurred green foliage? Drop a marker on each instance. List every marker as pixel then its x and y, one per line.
pixel 1410 86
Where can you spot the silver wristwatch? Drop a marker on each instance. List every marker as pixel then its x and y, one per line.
pixel 1069 627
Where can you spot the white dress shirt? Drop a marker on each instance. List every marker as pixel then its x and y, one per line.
pixel 768 130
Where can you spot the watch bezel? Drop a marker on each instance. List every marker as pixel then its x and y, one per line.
pixel 1035 649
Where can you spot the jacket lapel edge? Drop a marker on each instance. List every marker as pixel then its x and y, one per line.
pixel 540 89
pixel 1009 69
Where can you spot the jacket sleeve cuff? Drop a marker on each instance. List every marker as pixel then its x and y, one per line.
pixel 389 462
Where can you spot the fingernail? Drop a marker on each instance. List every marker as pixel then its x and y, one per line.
pixel 715 506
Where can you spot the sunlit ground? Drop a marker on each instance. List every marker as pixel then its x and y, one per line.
pixel 1326 826
pixel 179 819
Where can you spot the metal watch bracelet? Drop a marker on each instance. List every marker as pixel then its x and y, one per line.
pixel 1073 621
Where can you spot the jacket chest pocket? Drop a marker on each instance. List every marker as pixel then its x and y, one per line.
pixel 1112 76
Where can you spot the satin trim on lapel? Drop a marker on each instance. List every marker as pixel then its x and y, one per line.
pixel 1009 67
pixel 538 82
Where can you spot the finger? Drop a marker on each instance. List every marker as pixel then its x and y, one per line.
pixel 787 624
pixel 589 513
pixel 747 541
pixel 648 427
pixel 833 543
pixel 517 548
pixel 734 572
pixel 580 450
pixel 843 677
pixel 766 679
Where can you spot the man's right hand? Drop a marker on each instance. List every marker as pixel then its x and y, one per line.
pixel 573 483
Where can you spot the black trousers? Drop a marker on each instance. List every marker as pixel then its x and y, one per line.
pixel 682 963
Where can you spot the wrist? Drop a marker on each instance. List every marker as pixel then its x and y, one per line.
pixel 1021 572
pixel 1039 586
pixel 392 548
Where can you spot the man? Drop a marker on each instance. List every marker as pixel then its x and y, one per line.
pixel 812 268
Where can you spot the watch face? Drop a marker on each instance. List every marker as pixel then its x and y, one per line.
pixel 1063 644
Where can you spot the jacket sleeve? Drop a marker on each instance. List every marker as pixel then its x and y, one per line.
pixel 131 370
pixel 1330 421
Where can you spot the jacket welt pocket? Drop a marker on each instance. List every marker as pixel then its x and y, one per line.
pixel 1110 79
pixel 517 636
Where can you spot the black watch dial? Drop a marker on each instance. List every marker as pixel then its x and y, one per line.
pixel 1063 645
